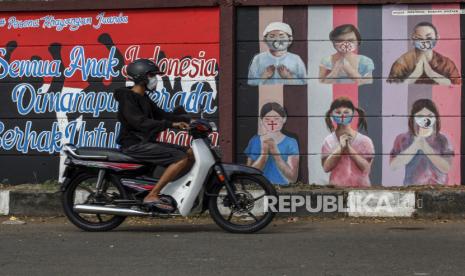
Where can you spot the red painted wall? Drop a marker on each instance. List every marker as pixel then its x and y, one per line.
pixel 184 42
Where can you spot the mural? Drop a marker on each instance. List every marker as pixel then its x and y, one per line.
pixel 425 152
pixel 346 153
pixel 346 66
pixel 378 102
pixel 58 72
pixel 273 152
pixel 422 64
pixel 276 65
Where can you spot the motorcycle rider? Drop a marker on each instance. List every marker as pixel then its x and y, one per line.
pixel 141 122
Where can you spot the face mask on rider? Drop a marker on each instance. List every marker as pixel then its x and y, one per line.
pixel 152 83
pixel 424 44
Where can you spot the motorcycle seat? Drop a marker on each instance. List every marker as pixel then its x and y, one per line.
pixel 112 155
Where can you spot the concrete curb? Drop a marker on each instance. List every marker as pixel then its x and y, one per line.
pixel 433 203
pixel 4 202
pixel 35 203
pixel 428 203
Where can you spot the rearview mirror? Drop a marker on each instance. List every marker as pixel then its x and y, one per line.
pixel 213 126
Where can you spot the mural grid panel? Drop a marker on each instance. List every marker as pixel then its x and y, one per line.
pixel 373 90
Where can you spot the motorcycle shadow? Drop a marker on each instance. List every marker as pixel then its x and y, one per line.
pixel 162 228
pixel 272 229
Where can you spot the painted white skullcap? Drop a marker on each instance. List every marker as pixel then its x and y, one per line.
pixel 278 26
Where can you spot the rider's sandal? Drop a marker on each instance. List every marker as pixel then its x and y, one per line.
pixel 159 205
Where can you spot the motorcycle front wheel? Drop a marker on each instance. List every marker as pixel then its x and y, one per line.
pixel 82 190
pixel 249 215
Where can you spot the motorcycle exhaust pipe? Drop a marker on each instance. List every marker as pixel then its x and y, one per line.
pixel 93 209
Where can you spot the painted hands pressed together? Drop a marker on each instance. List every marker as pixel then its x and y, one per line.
pixel 423 66
pixel 283 72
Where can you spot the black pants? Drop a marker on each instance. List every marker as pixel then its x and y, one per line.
pixel 162 154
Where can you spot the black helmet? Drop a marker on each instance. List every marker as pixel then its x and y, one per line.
pixel 138 70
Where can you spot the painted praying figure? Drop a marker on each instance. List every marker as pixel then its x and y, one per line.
pixel 346 153
pixel 425 152
pixel 346 66
pixel 277 65
pixel 275 153
pixel 423 65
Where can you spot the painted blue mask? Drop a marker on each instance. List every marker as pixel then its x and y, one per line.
pixel 342 120
pixel 425 45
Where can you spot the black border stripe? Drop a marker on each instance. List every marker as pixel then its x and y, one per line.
pixel 295 96
pixel 370 96
pixel 246 96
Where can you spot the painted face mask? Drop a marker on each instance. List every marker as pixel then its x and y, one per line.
pixel 278 44
pixel 272 126
pixel 425 45
pixel 425 122
pixel 345 46
pixel 152 83
pixel 342 120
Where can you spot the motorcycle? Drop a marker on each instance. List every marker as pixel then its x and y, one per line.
pixel 104 186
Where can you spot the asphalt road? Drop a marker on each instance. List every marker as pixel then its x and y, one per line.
pixel 184 247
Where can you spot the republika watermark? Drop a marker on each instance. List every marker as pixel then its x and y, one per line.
pixel 363 203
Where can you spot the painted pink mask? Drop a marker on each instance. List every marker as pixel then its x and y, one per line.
pixel 345 46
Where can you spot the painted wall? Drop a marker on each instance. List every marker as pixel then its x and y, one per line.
pixel 387 78
pixel 59 69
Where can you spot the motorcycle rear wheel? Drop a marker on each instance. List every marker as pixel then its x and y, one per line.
pixel 251 215
pixel 82 188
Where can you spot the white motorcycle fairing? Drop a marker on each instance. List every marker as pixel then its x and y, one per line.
pixel 186 189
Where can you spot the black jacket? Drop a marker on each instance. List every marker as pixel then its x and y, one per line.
pixel 141 119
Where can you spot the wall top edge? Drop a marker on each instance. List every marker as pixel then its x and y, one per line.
pixel 57 5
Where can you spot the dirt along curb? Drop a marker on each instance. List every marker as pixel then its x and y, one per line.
pixel 297 201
